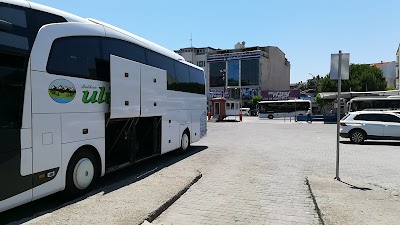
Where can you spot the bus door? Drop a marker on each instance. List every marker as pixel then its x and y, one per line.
pixel 121 137
pixel 137 98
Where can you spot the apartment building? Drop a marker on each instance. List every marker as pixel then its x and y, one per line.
pixel 241 72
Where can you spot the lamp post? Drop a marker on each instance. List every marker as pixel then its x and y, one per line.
pixel 223 71
pixel 315 83
pixel 315 86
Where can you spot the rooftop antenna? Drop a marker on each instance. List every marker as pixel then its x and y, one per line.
pixel 191 40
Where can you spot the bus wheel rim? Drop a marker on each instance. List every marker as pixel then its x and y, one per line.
pixel 83 173
pixel 185 141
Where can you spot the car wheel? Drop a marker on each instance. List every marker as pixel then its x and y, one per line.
pixel 270 117
pixel 357 136
pixel 82 171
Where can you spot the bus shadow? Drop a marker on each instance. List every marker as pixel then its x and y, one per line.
pixel 107 184
pixel 387 143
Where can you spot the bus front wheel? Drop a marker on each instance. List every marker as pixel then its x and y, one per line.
pixel 81 173
pixel 270 117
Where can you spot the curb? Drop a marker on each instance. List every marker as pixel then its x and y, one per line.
pixel 322 222
pixel 153 215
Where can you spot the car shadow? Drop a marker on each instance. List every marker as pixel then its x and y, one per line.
pixel 388 143
pixel 107 184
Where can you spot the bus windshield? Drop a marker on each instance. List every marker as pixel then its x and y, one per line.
pixel 18 29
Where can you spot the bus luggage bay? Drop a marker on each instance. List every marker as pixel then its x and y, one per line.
pixel 81 98
pixel 283 108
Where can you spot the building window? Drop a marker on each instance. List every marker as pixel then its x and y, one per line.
pixel 250 72
pixel 216 76
pixel 233 73
pixel 201 63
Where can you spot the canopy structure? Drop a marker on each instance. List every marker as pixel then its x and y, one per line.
pixel 352 94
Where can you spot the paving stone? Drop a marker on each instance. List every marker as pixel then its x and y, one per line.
pixel 255 171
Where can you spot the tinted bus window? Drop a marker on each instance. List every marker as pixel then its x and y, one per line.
pixel 75 56
pixel 197 84
pixel 165 63
pixel 123 49
pixel 182 77
pixel 37 19
pixel 118 48
pixel 12 86
pixel 16 17
pixel 13 33
pixel 25 24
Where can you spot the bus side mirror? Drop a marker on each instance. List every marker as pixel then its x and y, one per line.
pixel 5 26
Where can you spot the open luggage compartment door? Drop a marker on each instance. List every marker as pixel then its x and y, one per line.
pixel 125 88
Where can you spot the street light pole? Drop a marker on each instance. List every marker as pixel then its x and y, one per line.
pixel 223 71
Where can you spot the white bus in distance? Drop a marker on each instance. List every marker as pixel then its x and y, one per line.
pixel 283 108
pixel 82 98
pixel 374 103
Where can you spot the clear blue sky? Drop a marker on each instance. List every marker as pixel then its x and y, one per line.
pixel 306 31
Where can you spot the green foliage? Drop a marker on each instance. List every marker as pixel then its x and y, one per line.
pixel 390 88
pixel 320 101
pixel 256 99
pixel 363 77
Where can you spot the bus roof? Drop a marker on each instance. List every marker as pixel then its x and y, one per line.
pixel 141 41
pixel 375 98
pixel 125 35
pixel 279 101
pixel 28 4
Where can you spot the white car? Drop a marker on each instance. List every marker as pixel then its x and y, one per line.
pixel 377 125
pixel 245 111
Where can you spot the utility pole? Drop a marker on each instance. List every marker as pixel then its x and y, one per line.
pixel 339 72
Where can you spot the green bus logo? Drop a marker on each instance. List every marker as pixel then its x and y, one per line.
pixel 62 91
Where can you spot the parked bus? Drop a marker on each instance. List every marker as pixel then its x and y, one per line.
pixel 284 108
pixel 374 103
pixel 82 98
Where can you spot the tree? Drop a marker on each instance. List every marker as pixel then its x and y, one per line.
pixel 390 88
pixel 328 85
pixel 256 99
pixel 362 77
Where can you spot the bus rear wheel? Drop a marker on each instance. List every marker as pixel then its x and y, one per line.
pixel 185 142
pixel 81 173
pixel 270 116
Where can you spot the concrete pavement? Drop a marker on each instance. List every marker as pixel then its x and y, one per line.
pixel 254 173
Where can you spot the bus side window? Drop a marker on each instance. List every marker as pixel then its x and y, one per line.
pixel 182 76
pixel 165 63
pixel 118 48
pixel 75 56
pixel 197 81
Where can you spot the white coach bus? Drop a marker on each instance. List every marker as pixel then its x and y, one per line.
pixel 283 108
pixel 81 98
pixel 374 103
